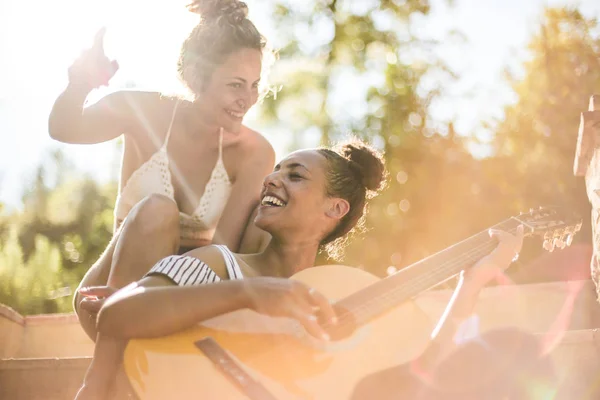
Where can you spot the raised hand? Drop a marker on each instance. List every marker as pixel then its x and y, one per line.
pixel 279 297
pixel 93 69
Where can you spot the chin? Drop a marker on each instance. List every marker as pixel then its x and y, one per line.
pixel 266 222
pixel 260 222
pixel 231 125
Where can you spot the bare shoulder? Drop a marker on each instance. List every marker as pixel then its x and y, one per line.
pixel 148 115
pixel 258 148
pixel 135 104
pixel 130 99
pixel 211 256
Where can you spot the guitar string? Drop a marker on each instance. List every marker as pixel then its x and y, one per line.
pixel 474 253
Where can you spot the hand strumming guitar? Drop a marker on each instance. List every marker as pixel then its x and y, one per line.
pixel 278 297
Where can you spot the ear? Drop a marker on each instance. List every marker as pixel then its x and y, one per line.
pixel 338 208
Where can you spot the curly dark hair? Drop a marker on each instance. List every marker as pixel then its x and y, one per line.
pixel 356 173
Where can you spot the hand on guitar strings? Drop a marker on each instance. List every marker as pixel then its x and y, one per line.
pixel 494 264
pixel 278 297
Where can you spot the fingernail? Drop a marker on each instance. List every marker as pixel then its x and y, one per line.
pixel 334 320
pixel 84 289
pixel 326 336
pixel 312 317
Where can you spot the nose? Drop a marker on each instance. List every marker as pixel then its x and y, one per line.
pixel 241 103
pixel 247 98
pixel 272 180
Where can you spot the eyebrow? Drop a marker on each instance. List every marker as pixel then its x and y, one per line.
pixel 292 165
pixel 243 80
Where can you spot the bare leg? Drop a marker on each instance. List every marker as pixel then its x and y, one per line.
pixel 99 378
pixel 97 275
pixel 149 233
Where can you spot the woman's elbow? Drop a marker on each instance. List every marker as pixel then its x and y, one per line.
pixel 54 129
pixel 57 129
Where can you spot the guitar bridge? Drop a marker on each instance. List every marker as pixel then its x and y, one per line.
pixel 253 389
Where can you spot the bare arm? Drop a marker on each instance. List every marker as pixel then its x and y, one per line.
pixel 244 197
pixel 71 122
pixel 153 306
pixel 156 307
pixel 151 311
pixel 457 311
pixel 464 298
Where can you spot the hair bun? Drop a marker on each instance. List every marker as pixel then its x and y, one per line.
pixel 367 163
pixel 233 10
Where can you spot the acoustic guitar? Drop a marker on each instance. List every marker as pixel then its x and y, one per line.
pixel 245 355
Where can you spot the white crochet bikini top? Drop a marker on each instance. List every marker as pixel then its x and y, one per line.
pixel 154 177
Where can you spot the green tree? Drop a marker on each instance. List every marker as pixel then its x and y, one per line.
pixel 65 224
pixel 38 285
pixel 535 142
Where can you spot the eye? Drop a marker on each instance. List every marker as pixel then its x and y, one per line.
pixel 255 85
pixel 295 177
pixel 235 85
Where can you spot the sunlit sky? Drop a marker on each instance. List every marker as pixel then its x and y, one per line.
pixel 39 39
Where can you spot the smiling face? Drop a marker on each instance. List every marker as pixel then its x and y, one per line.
pixel 231 90
pixel 294 202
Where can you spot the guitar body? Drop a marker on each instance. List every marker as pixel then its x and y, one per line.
pixel 275 352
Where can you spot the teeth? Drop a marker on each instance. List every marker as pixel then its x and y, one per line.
pixel 235 114
pixel 272 201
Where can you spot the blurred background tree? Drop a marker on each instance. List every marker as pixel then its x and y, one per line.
pixel 61 231
pixel 535 141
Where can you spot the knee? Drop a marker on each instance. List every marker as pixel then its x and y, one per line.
pixel 156 213
pixel 76 301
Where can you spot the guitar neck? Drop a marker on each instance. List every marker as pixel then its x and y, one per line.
pixel 388 293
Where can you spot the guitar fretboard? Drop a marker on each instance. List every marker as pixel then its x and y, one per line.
pixel 394 290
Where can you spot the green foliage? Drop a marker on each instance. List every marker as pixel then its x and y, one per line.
pixel 61 231
pixel 38 285
pixel 358 44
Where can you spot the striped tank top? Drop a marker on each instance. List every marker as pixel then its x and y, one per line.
pixel 188 271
